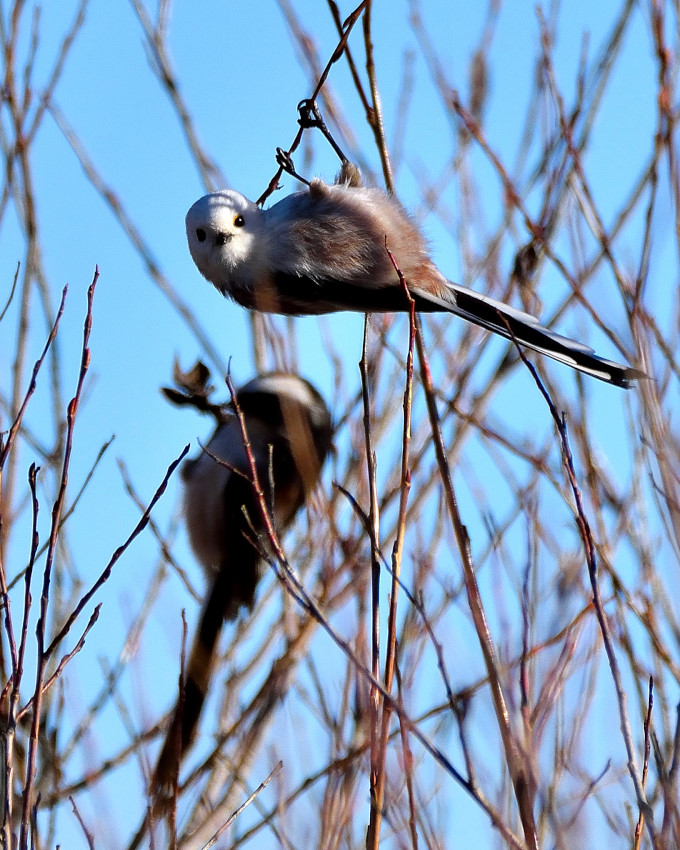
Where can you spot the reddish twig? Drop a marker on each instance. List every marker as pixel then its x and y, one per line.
pixel 6 446
pixel 374 537
pixel 105 574
pixel 519 769
pixel 378 770
pixel 591 560
pixel 57 507
pixel 645 764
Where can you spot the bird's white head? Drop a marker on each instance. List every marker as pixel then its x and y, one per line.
pixel 258 395
pixel 222 229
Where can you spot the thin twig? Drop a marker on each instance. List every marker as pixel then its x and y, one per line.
pixel 57 508
pixel 6 446
pixel 591 560
pixel 521 779
pixel 106 573
pixel 350 21
pixel 378 786
pixel 242 807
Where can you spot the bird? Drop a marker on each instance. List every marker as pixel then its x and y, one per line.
pixel 323 250
pixel 290 432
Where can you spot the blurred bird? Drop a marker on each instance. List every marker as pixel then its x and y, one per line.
pixel 289 430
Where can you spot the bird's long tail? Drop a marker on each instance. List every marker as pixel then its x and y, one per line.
pixel 526 330
pixel 223 602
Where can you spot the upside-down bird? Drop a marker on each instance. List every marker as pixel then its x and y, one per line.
pixel 323 250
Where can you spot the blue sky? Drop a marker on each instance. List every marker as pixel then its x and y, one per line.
pixel 240 74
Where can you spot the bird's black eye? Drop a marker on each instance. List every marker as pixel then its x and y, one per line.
pixel 200 234
pixel 239 221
